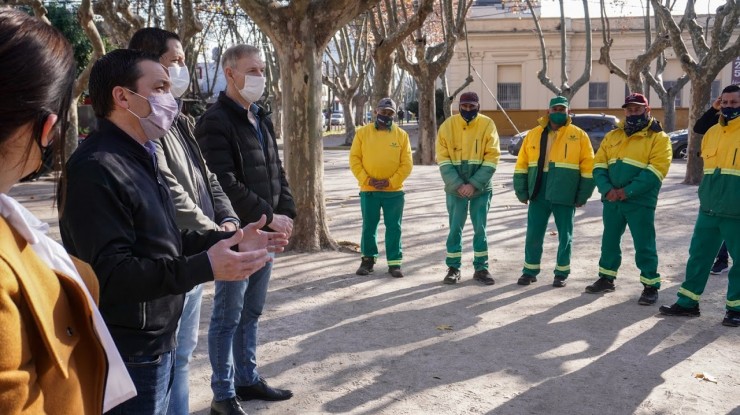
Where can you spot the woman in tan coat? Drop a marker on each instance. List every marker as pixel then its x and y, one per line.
pixel 56 355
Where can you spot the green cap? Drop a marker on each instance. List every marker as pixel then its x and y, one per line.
pixel 559 100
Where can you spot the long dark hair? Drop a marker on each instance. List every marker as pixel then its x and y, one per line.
pixel 37 77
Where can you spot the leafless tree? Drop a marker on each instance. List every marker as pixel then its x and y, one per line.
pixel 429 61
pixel 710 56
pixel 349 57
pixel 565 89
pixel 300 30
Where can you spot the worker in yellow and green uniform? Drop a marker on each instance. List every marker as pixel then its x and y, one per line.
pixel 629 169
pixel 380 159
pixel 553 174
pixel 719 213
pixel 467 154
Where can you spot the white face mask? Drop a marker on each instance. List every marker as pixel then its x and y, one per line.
pixel 179 80
pixel 254 86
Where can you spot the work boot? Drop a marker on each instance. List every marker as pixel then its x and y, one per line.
pixel 732 318
pixel 649 296
pixel 559 282
pixel 395 271
pixel 366 266
pixel 677 310
pixel 453 276
pixel 602 285
pixel 526 279
pixel 483 277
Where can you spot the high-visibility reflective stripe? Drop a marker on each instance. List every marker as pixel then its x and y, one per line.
pixel 444 162
pixel 562 268
pixel 734 303
pixel 480 253
pixel 635 163
pixel 709 171
pixel 649 281
pixel 531 266
pixel 601 166
pixel 731 172
pixel 689 294
pixel 533 164
pixel 567 166
pixel 521 171
pixel 489 164
pixel 454 254
pixel 587 175
pixel 607 272
pixel 656 172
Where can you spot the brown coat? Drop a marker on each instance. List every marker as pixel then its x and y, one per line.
pixel 51 361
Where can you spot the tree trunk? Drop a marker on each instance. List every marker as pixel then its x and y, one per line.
pixel 358 102
pixel 300 66
pixel 700 90
pixel 349 119
pixel 70 143
pixel 382 79
pixel 669 113
pixel 427 122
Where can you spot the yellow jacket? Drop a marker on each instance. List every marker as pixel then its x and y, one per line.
pixel 381 155
pixel 719 192
pixel 467 153
pixel 637 163
pixel 571 163
pixel 51 361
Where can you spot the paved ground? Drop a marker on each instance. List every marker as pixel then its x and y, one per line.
pixel 377 345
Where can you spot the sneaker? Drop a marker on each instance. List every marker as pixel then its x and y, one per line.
pixel 395 271
pixel 649 296
pixel 366 267
pixel 719 267
pixel 559 282
pixel 453 276
pixel 526 279
pixel 602 285
pixel 677 310
pixel 732 319
pixel 483 277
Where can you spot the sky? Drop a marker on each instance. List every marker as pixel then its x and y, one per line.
pixel 574 8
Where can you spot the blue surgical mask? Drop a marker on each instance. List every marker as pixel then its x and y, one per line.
pixel 635 123
pixel 469 115
pixel 730 113
pixel 383 122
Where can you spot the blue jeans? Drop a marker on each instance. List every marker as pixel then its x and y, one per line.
pixel 187 339
pixel 152 376
pixel 232 335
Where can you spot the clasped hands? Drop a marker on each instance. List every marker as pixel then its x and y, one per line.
pixel 614 195
pixel 255 247
pixel 378 183
pixel 466 190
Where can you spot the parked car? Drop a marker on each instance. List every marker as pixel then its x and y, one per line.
pixel 595 125
pixel 680 143
pixel 337 118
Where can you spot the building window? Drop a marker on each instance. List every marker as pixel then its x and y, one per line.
pixel 598 96
pixel 668 85
pixel 509 95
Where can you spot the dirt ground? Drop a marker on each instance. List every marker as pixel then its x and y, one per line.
pixel 347 344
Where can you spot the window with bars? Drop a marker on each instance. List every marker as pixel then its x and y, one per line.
pixel 598 94
pixel 668 85
pixel 509 95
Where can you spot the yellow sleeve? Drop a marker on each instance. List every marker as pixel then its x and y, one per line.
pixel 586 162
pixel 492 151
pixel 661 156
pixel 407 162
pixel 355 159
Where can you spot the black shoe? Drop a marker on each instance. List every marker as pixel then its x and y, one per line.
pixel 366 267
pixel 263 392
pixel 483 277
pixel 395 271
pixel 602 285
pixel 227 407
pixel 719 267
pixel 649 296
pixel 559 282
pixel 677 310
pixel 526 279
pixel 732 318
pixel 453 276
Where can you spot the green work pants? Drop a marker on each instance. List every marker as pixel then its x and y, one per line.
pixel 457 208
pixel 709 232
pixel 538 215
pixel 391 203
pixel 641 220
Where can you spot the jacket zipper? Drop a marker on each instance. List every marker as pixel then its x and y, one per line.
pixel 566 151
pixel 734 157
pixel 143 315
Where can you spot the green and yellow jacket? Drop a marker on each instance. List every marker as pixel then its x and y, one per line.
pixel 637 163
pixel 569 180
pixel 719 192
pixel 467 153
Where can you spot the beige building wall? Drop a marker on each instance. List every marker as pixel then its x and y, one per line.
pixel 507 50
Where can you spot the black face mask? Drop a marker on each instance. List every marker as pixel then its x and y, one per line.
pixel 469 115
pixel 635 123
pixel 383 122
